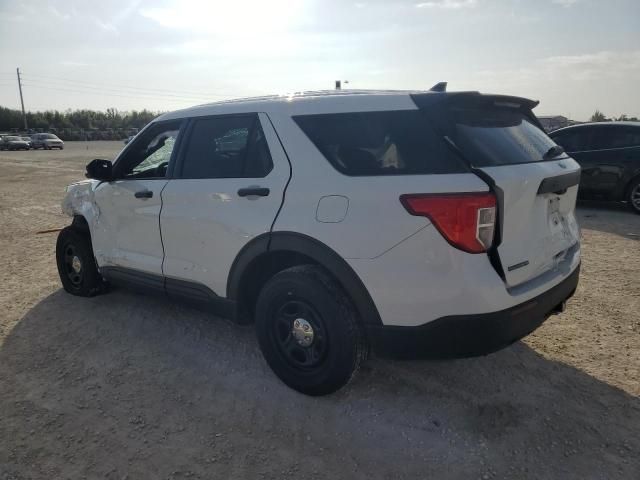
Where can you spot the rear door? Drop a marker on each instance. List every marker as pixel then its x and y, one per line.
pixel 535 184
pixel 226 189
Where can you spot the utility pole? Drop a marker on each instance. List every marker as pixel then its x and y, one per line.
pixel 24 116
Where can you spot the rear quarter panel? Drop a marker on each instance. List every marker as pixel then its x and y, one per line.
pixel 375 220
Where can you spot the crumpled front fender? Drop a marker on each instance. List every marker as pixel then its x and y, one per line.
pixel 79 200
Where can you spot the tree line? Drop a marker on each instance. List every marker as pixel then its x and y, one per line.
pixel 78 124
pixel 598 116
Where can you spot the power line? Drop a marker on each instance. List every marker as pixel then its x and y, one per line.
pixel 81 92
pixel 112 92
pixel 126 87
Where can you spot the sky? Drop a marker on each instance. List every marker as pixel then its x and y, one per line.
pixel 575 56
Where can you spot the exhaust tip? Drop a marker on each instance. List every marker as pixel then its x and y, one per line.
pixel 560 308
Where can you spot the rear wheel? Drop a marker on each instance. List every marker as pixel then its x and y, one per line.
pixel 633 197
pixel 308 331
pixel 76 265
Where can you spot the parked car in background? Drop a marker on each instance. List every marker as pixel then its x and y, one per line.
pixel 46 141
pixel 609 154
pixel 12 142
pixel 28 140
pixel 427 223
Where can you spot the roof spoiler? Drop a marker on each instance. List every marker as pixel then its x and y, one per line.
pixel 471 98
pixel 439 87
pixel 428 100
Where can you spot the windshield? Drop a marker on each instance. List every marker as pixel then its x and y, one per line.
pixel 11 139
pixel 50 135
pixel 500 136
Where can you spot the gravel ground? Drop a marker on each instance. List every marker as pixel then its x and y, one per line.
pixel 123 386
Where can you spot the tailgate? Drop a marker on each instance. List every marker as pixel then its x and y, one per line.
pixel 537 216
pixel 535 182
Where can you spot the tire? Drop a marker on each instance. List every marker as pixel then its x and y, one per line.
pixel 76 264
pixel 633 195
pixel 329 344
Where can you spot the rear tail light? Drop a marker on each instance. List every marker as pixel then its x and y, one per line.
pixel 465 220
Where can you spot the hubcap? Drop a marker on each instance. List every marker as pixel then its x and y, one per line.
pixel 73 265
pixel 299 334
pixel 302 331
pixel 76 264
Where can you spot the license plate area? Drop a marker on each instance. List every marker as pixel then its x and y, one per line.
pixel 559 227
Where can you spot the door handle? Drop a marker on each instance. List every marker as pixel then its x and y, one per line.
pixel 257 191
pixel 144 194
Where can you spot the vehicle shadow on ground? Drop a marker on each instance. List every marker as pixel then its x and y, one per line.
pixel 123 385
pixel 609 217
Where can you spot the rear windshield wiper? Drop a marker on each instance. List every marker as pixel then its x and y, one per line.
pixel 553 152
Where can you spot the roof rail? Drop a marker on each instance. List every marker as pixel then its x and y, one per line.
pixel 439 87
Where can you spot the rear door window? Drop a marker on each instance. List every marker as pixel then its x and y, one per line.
pixel 380 143
pixel 226 147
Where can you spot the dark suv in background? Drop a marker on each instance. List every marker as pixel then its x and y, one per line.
pixel 609 154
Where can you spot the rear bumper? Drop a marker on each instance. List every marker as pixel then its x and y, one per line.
pixel 472 335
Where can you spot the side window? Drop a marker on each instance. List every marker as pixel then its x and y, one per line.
pixel 574 140
pixel 149 155
pixel 226 147
pixel 379 143
pixel 616 136
pixel 619 137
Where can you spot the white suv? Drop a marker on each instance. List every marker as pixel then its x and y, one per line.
pixel 46 141
pixel 416 223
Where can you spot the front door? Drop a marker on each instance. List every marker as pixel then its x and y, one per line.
pixel 128 230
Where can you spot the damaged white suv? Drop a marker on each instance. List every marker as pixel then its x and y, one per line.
pixel 414 223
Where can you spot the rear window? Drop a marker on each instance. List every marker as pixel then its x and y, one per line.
pixel 380 143
pixel 499 136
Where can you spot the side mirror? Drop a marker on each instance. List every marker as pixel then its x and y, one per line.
pixel 100 170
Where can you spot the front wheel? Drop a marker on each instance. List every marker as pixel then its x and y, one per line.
pixel 76 265
pixel 308 331
pixel 633 197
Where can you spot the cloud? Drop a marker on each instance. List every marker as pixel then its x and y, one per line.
pixel 447 4
pixel 571 84
pixel 106 26
pixel 239 18
pixel 71 63
pixel 565 3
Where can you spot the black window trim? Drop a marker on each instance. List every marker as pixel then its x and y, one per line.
pixel 139 136
pixel 177 169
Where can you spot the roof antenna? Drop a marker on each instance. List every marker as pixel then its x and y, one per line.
pixel 439 87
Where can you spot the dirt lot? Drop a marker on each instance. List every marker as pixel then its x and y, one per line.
pixel 121 386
